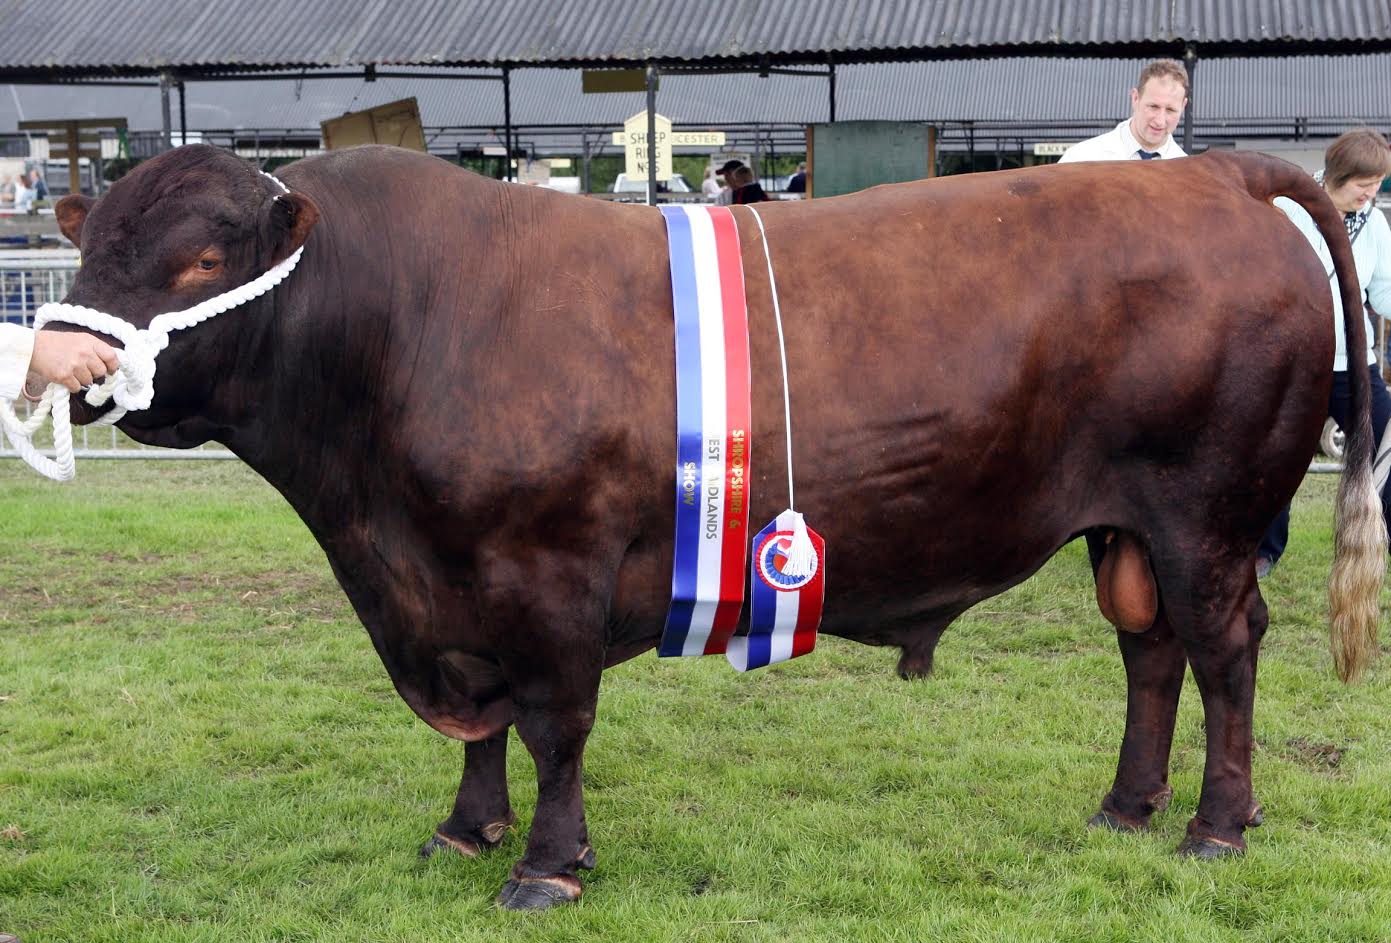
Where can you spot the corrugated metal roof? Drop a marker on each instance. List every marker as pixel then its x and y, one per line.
pixel 1286 20
pixel 136 35
pixel 1024 91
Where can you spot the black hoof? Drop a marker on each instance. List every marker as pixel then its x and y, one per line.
pixel 438 842
pixel 1208 849
pixel 1112 821
pixel 473 843
pixel 586 859
pixel 536 893
pixel 914 667
pixel 1257 818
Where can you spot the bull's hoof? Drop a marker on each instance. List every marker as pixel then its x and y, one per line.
pixel 1257 818
pixel 471 845
pixel 1209 848
pixel 462 846
pixel 913 665
pixel 538 893
pixel 586 859
pixel 1116 822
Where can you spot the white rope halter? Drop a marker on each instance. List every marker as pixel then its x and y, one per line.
pixel 133 385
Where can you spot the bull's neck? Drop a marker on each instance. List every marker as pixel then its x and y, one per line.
pixel 304 436
pixel 305 408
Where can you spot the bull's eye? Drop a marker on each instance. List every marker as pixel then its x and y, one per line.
pixel 207 267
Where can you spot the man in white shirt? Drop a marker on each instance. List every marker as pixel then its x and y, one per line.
pixel 1156 105
pixel 74 360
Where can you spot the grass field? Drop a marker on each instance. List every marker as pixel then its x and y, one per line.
pixel 198 743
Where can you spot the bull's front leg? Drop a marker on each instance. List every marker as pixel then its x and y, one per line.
pixel 482 812
pixel 558 845
pixel 546 610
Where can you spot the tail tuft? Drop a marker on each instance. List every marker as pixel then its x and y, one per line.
pixel 1359 568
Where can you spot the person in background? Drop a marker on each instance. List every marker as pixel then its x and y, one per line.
pixel 726 171
pixel 746 188
pixel 23 195
pixel 710 187
pixel 72 359
pixel 1156 105
pixel 1354 167
pixel 38 185
pixel 798 182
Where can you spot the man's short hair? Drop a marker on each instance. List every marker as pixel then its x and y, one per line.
pixel 728 166
pixel 1358 153
pixel 1164 69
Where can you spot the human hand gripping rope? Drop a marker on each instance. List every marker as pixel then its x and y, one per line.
pixel 132 386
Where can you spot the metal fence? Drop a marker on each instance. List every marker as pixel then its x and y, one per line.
pixel 32 277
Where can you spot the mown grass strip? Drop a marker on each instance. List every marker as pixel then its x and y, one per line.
pixel 197 743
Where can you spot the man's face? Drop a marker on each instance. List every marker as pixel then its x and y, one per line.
pixel 1155 111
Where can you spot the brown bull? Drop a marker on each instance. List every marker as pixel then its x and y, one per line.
pixel 467 392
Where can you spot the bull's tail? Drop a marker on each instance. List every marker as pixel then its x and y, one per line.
pixel 1359 540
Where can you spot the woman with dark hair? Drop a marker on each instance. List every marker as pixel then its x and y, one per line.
pixel 1354 167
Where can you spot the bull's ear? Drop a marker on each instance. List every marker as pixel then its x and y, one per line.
pixel 292 216
pixel 71 213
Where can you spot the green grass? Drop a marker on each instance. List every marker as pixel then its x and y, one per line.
pixel 197 743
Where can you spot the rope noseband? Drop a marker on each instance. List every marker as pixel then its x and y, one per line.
pixel 132 386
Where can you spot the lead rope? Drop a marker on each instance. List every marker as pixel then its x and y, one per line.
pixel 801 555
pixel 132 386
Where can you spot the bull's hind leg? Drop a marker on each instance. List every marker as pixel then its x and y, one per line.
pixel 482 813
pixel 1216 611
pixel 1154 665
pixel 919 643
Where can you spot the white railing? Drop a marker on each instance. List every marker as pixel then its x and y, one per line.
pixel 31 277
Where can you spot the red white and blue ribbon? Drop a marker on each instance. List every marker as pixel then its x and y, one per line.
pixel 786 596
pixel 789 566
pixel 712 419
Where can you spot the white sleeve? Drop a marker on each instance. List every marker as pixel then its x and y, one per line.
pixel 1074 153
pixel 1089 150
pixel 1378 287
pixel 1307 227
pixel 16 347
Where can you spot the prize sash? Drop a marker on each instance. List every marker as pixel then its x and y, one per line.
pixel 712 420
pixel 787 574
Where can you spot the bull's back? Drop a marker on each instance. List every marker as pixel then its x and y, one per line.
pixel 983 366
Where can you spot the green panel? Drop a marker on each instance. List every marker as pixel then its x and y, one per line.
pixel 851 155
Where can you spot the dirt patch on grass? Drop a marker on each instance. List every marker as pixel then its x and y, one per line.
pixel 1320 757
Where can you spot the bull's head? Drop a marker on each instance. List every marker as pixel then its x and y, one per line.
pixel 184 227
